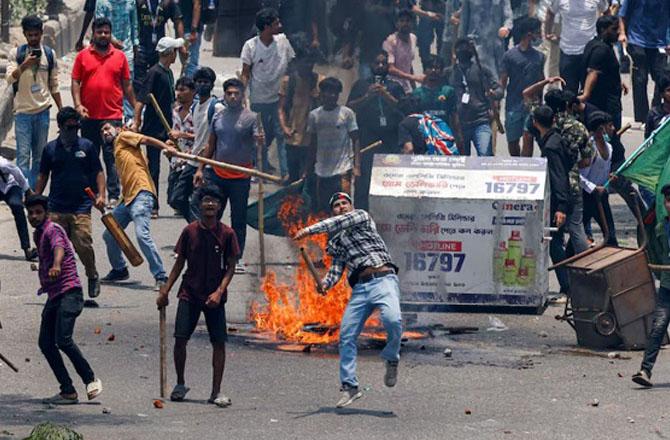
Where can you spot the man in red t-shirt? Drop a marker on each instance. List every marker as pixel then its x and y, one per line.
pixel 210 248
pixel 100 79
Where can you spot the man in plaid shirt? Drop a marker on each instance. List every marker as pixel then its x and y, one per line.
pixel 353 241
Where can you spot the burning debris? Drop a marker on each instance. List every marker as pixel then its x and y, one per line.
pixel 296 312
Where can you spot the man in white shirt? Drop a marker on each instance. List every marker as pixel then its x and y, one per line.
pixel 578 27
pixel 265 59
pixel 13 185
pixel 592 178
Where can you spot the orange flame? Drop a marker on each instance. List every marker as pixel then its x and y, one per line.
pixel 290 308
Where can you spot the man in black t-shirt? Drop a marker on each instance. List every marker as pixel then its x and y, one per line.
pixel 375 101
pixel 602 83
pixel 159 82
pixel 152 16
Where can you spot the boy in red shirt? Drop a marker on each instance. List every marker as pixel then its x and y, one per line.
pixel 210 248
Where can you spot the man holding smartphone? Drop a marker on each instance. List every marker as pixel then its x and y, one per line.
pixel 33 73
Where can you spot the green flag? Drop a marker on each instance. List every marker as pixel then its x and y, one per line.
pixel 649 165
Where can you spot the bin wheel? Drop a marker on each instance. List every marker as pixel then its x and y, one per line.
pixel 605 323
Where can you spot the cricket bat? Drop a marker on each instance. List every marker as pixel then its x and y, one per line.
pixel 119 235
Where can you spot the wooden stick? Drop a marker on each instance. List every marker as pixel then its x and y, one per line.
pixel 311 269
pixel 9 364
pixel 229 166
pixel 159 112
pixel 163 362
pixel 261 201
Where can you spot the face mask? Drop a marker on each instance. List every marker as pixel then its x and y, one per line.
pixel 463 56
pixel 68 135
pixel 537 42
pixel 203 89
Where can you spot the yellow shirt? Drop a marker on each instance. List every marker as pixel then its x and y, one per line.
pixel 35 89
pixel 132 166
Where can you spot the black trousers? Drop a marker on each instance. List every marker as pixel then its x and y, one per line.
pixel 90 129
pixel 571 68
pixel 58 318
pixel 646 62
pixel 14 198
pixel 144 59
pixel 180 190
pixel 658 330
pixel 154 160
pixel 591 212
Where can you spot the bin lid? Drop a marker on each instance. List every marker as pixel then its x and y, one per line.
pixel 459 177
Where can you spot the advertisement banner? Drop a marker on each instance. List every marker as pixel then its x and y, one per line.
pixel 465 231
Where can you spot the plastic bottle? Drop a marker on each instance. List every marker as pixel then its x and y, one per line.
pixel 510 272
pixel 499 256
pixel 529 264
pixel 514 248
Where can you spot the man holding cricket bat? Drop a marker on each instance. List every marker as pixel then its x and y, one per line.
pixel 210 250
pixel 354 243
pixel 139 199
pixel 59 280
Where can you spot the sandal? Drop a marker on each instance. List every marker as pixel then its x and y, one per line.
pixel 220 400
pixel 179 393
pixel 94 389
pixel 60 399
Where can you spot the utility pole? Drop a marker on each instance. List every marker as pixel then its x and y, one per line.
pixel 4 20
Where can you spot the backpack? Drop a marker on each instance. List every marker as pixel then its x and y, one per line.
pixel 21 53
pixel 437 135
pixel 208 11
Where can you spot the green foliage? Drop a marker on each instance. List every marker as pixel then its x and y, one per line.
pixel 21 8
pixel 49 431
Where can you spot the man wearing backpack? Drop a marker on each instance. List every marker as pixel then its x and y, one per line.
pixel 33 73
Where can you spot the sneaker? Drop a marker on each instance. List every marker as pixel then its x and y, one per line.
pixel 349 395
pixel 391 374
pixel 94 389
pixel 178 393
pixel 116 275
pixel 154 214
pixel 112 203
pixel 643 378
pixel 159 284
pixel 93 287
pixel 31 254
pixel 240 267
pixel 61 399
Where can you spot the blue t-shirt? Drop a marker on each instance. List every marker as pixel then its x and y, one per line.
pixel 647 22
pixel 523 68
pixel 71 171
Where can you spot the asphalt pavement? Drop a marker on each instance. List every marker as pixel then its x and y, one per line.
pixel 528 381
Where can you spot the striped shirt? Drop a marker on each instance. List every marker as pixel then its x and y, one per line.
pixel 354 243
pixel 48 237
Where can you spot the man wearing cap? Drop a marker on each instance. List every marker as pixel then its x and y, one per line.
pixel 160 83
pixel 354 243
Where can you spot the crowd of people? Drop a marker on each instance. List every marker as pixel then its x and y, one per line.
pixel 556 64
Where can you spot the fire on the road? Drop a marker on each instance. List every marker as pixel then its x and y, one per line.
pixel 297 312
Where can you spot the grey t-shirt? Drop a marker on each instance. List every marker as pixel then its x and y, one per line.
pixel 334 150
pixel 235 131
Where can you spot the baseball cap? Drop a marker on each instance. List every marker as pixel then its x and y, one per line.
pixel 168 43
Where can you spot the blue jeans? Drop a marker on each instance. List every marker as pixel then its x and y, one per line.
pixel 270 118
pixel 138 212
pixel 481 136
pixel 193 56
pixel 382 293
pixel 31 137
pixel 658 329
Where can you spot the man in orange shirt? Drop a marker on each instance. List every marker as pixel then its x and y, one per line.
pixel 139 199
pixel 233 139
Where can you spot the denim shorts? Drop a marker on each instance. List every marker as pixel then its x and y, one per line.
pixel 188 314
pixel 515 121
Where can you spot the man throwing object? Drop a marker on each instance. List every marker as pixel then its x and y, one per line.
pixel 353 241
